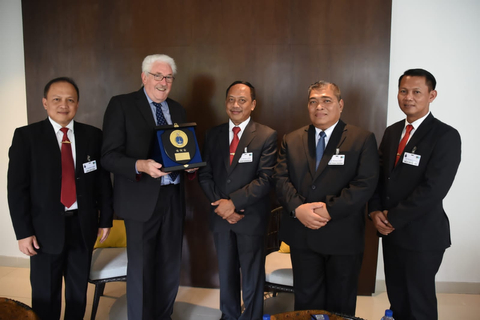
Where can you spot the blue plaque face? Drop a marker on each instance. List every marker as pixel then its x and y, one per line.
pixel 179 140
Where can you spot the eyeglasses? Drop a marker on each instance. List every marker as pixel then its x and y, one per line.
pixel 160 77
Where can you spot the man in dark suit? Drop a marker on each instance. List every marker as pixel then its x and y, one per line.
pixel 325 174
pixel 151 201
pixel 58 204
pixel 419 157
pixel 240 157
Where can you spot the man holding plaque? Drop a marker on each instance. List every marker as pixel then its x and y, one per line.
pixel 151 201
pixel 325 175
pixel 240 158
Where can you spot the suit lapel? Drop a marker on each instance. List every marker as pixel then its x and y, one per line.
pixel 224 147
pixel 420 132
pixel 144 108
pixel 337 138
pixel 50 143
pixel 175 113
pixel 247 137
pixel 80 148
pixel 308 139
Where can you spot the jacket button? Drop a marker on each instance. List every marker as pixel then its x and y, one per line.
pixel 314 187
pixel 228 181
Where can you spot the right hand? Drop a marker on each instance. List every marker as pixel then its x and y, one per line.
pixel 306 215
pixel 235 217
pixel 380 221
pixel 28 245
pixel 150 167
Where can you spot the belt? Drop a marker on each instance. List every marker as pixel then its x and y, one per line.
pixel 70 213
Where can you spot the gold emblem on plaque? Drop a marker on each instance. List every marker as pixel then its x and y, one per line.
pixel 178 138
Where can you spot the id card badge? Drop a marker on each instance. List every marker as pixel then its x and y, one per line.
pixel 90 166
pixel 246 157
pixel 411 159
pixel 337 159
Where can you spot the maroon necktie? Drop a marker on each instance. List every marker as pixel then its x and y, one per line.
pixel 403 143
pixel 69 191
pixel 234 144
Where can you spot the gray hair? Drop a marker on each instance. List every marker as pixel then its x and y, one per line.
pixel 151 59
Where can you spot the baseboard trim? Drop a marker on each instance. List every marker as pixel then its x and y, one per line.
pixel 15 262
pixel 442 287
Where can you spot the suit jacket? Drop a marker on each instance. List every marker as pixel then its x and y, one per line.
pixel 34 185
pixel 128 128
pixel 344 188
pixel 413 195
pixel 246 184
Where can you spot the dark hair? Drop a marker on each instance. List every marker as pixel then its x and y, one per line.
pixel 248 84
pixel 61 79
pixel 429 78
pixel 322 84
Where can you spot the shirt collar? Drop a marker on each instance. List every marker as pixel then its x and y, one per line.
pixel 242 125
pixel 163 104
pixel 415 124
pixel 328 131
pixel 57 127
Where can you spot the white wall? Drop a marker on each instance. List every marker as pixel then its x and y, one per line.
pixel 13 107
pixel 438 35
pixel 442 36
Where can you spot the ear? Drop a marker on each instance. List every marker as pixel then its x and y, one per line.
pixel 44 102
pixel 254 104
pixel 432 95
pixel 144 78
pixel 341 104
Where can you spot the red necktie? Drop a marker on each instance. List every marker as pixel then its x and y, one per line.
pixel 403 143
pixel 234 144
pixel 69 190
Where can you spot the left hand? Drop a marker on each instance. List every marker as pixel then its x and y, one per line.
pixel 225 208
pixel 322 211
pixel 104 232
pixel 235 217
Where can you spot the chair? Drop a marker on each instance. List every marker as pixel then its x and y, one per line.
pixel 278 266
pixel 14 310
pixel 109 262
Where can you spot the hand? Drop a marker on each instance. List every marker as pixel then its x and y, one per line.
pixel 235 217
pixel 380 221
pixel 27 245
pixel 225 208
pixel 104 232
pixel 150 167
pixel 322 211
pixel 306 215
pixel 191 170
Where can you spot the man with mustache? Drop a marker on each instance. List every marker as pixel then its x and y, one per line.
pixel 240 157
pixel 325 174
pixel 151 201
pixel 419 157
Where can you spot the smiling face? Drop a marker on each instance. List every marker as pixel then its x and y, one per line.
pixel 324 107
pixel 61 103
pixel 414 97
pixel 157 90
pixel 239 103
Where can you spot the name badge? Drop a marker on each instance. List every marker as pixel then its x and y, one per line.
pixel 90 166
pixel 246 157
pixel 411 159
pixel 337 160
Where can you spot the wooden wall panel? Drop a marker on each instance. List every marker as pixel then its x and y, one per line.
pixel 280 46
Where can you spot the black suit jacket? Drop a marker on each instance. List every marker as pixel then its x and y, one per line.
pixel 128 128
pixel 413 195
pixel 34 185
pixel 344 188
pixel 246 184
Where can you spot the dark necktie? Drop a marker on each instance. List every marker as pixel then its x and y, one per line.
pixel 234 144
pixel 69 191
pixel 403 143
pixel 320 149
pixel 161 121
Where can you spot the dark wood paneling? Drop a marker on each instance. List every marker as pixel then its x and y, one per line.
pixel 280 46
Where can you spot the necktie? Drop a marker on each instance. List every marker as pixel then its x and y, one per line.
pixel 234 144
pixel 69 191
pixel 161 121
pixel 403 143
pixel 320 148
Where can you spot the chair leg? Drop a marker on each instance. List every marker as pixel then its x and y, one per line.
pixel 99 288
